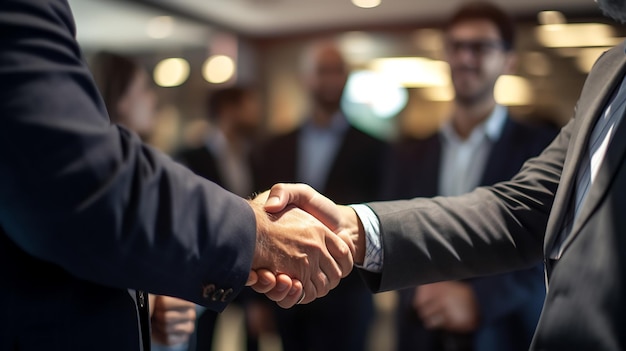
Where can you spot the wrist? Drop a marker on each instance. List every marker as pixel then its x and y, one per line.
pixel 262 228
pixel 352 227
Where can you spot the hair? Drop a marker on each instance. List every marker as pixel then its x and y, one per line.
pixel 310 53
pixel 113 74
pixel 221 99
pixel 482 10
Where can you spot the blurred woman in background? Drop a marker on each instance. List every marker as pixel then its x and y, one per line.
pixel 131 102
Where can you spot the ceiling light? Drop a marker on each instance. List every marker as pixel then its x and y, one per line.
pixel 513 91
pixel 551 17
pixel 218 69
pixel 373 92
pixel 413 72
pixel 171 72
pixel 576 35
pixel 160 27
pixel 366 4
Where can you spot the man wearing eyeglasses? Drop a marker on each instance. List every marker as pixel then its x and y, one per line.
pixel 479 145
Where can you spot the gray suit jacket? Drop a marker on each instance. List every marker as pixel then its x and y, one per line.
pixel 511 224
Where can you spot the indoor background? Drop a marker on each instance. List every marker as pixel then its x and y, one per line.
pixel 399 85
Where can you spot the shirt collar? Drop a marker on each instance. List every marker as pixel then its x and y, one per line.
pixel 492 127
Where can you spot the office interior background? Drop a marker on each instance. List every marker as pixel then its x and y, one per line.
pixel 399 84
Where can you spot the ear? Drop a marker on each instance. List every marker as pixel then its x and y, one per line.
pixel 511 63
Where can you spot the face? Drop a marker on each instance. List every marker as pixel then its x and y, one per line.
pixel 615 9
pixel 475 53
pixel 248 116
pixel 137 108
pixel 327 77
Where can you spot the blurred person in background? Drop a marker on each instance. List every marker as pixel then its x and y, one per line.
pixel 235 115
pixel 130 100
pixel 480 145
pixel 343 163
pixel 224 158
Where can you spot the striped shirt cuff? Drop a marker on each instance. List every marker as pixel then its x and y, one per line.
pixel 373 242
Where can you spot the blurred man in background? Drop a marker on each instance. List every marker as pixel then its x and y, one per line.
pixel 565 206
pixel 343 163
pixel 225 159
pixel 480 145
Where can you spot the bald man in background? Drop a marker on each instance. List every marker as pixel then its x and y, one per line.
pixel 342 162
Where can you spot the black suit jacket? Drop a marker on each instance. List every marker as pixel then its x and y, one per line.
pixel 202 162
pixel 512 224
pixel 509 303
pixel 87 210
pixel 355 174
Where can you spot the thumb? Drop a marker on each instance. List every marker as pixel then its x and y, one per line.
pixel 306 198
pixel 279 197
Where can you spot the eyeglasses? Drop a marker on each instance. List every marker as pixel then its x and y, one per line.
pixel 475 47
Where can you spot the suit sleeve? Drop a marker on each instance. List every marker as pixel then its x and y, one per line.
pixel 490 230
pixel 88 196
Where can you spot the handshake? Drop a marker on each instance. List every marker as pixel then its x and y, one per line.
pixel 305 244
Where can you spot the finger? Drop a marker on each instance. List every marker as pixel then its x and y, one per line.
pixel 341 253
pixel 293 297
pixel 429 310
pixel 310 291
pixel 252 278
pixel 167 303
pixel 173 317
pixel 282 288
pixel 181 328
pixel 306 198
pixel 435 321
pixel 266 281
pixel 329 275
pixel 322 284
pixel 422 298
pixel 174 339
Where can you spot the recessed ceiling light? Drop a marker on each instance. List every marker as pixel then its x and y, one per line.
pixel 171 72
pixel 218 69
pixel 366 4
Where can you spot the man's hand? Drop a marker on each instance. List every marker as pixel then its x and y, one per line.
pixel 342 220
pixel 173 320
pixel 450 306
pixel 294 243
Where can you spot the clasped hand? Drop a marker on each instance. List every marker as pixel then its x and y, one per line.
pixel 305 244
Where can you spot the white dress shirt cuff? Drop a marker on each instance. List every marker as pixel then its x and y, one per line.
pixel 373 242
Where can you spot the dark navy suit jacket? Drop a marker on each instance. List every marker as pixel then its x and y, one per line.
pixel 87 210
pixel 510 303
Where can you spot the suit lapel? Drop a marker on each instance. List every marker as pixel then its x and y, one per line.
pixel 595 95
pixel 606 174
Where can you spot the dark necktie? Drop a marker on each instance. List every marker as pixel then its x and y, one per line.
pixel 599 141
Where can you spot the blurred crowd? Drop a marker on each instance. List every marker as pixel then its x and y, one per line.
pixel 480 143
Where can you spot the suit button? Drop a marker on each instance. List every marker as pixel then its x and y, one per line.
pixel 207 290
pixel 226 295
pixel 217 295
